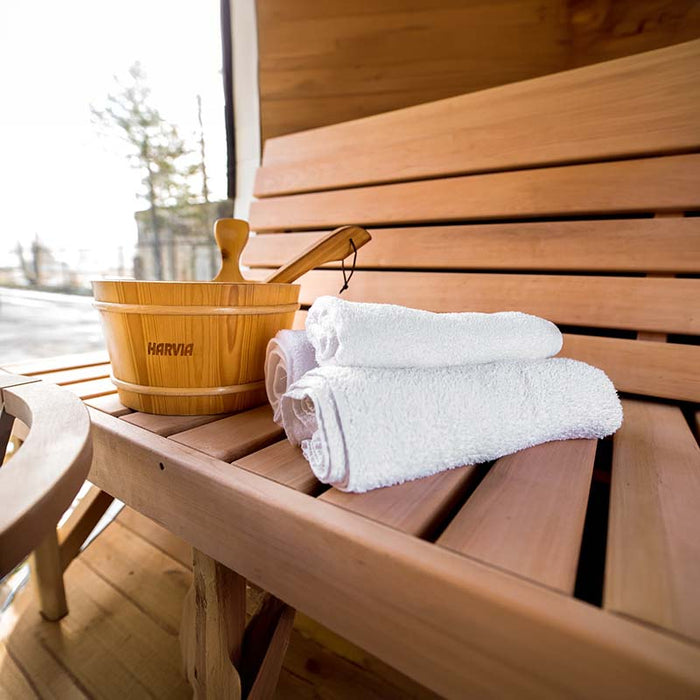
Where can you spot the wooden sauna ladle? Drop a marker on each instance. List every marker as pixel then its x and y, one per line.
pixel 336 245
pixel 232 235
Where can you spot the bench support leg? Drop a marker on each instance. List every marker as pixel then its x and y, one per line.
pixel 47 572
pixel 223 657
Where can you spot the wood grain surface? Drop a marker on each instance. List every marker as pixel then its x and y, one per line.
pixel 620 245
pixel 653 555
pixel 527 515
pixel 323 63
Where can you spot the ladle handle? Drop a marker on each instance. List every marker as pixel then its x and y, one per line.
pixel 231 236
pixel 335 246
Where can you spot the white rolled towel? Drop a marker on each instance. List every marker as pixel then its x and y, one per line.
pixel 354 334
pixel 362 428
pixel 288 357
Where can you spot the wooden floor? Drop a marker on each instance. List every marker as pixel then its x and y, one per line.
pixel 120 639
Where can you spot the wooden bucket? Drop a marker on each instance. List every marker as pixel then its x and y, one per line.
pixel 191 348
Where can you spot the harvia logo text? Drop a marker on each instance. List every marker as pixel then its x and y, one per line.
pixel 183 349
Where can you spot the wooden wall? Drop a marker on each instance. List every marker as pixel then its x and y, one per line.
pixel 327 61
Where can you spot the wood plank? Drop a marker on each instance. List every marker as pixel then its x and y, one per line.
pixel 108 403
pixel 416 507
pixel 58 362
pixel 527 514
pixel 23 638
pixel 92 389
pixel 167 425
pixel 47 677
pixel 541 107
pixel 666 370
pixel 626 245
pixel 653 554
pixel 486 632
pixel 77 374
pixel 634 303
pixel 422 55
pixel 157 535
pixel 15 682
pixel 141 573
pixel 623 187
pixel 233 437
pixel 126 635
pixel 448 137
pixel 283 463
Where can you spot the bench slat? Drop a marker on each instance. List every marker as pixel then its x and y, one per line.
pixel 666 370
pixel 644 185
pixel 59 362
pixel 416 507
pixel 635 105
pixel 653 556
pixel 168 425
pixel 633 303
pixel 92 388
pixel 284 464
pixel 109 403
pixel 627 245
pixel 527 514
pixel 234 436
pixel 77 374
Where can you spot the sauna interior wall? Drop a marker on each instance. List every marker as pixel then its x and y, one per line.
pixel 326 62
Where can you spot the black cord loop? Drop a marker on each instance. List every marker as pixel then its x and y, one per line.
pixel 346 277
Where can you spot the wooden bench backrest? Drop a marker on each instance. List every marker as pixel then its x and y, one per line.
pixel 574 197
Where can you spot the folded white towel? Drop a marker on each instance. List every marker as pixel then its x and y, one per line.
pixel 361 428
pixel 288 357
pixel 355 334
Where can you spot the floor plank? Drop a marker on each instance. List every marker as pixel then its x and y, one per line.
pixel 157 535
pixel 21 634
pixel 105 645
pixel 14 684
pixel 150 579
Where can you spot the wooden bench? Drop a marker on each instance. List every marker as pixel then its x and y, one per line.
pixel 574 197
pixel 569 569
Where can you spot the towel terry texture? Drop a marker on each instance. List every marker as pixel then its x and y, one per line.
pixel 289 356
pixel 353 334
pixel 361 428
